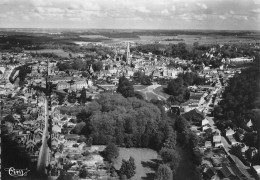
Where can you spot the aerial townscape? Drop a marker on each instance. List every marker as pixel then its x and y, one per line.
pixel 138 104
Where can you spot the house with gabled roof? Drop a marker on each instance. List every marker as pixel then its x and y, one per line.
pixel 230 132
pixel 194 115
pixel 217 141
pixel 249 123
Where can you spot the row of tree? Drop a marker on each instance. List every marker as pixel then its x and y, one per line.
pixel 79 64
pixel 240 96
pixel 240 104
pixel 197 51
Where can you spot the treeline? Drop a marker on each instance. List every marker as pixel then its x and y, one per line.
pixel 27 42
pixel 90 50
pixel 79 64
pixel 18 43
pixel 121 35
pixel 47 55
pixel 196 52
pixel 240 95
pixel 241 104
pixel 180 50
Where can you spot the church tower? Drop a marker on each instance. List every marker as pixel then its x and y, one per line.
pixel 128 54
pixel 48 68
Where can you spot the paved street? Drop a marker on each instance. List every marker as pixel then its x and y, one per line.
pixel 226 145
pixel 44 151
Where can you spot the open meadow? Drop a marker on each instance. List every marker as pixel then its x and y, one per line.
pixel 152 92
pixel 145 161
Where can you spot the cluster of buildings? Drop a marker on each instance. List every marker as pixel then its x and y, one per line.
pixel 216 146
pixel 67 149
pixel 28 130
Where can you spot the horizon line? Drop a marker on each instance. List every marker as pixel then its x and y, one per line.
pixel 75 28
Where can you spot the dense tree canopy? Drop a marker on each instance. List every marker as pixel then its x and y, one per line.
pixel 111 152
pixel 178 91
pixel 170 157
pixel 191 78
pixel 83 96
pixel 79 64
pixel 240 95
pixel 141 78
pixel 177 88
pixel 164 172
pixel 83 173
pixel 197 52
pixel 125 87
pixel 127 122
pixel 72 97
pixel 97 66
pixel 128 168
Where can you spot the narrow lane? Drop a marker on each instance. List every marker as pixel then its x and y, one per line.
pixel 44 151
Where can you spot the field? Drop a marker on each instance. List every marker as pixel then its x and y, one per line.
pixel 190 39
pixel 144 160
pixel 175 39
pixel 106 36
pixel 94 36
pixel 58 52
pixel 152 92
pixel 139 87
pixel 161 39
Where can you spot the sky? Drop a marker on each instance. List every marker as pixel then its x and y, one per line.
pixel 131 14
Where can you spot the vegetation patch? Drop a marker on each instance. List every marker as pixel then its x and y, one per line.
pixel 160 91
pixel 144 160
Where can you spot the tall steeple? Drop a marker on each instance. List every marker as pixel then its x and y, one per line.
pixel 48 67
pixel 128 54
